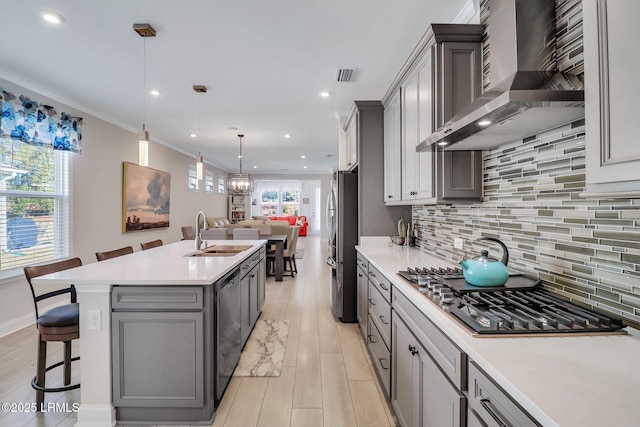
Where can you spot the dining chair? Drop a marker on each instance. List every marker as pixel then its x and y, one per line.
pixel 188 233
pixel 289 253
pixel 246 234
pixel 101 256
pixel 214 234
pixel 60 323
pixel 152 244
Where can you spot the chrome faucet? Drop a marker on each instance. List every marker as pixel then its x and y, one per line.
pixel 205 226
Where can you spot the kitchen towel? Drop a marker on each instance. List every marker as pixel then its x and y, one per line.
pixel 264 353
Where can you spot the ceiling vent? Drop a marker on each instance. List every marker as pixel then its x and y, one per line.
pixel 344 75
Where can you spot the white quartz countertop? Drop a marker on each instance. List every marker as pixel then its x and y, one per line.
pixel 566 381
pixel 164 265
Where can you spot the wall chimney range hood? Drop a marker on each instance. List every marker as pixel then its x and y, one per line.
pixel 527 95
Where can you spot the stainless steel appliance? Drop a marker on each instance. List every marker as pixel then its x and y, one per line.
pixel 228 330
pixel 342 224
pixel 520 307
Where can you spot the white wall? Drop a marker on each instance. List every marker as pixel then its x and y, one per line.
pixel 97 201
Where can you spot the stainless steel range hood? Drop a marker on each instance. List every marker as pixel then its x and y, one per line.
pixel 527 95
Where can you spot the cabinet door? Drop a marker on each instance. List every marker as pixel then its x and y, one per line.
pixel 392 150
pixel 363 302
pixel 443 405
pixel 459 175
pixel 405 373
pixel 352 142
pixel 146 343
pixel 254 293
pixel 262 279
pixel 612 91
pixel 417 173
pixel 245 308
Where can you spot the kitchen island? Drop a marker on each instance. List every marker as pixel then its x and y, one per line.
pixel 152 290
pixel 565 381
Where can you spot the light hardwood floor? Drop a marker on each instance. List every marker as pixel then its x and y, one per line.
pixel 327 379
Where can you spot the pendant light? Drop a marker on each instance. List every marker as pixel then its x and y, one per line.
pixel 200 89
pixel 240 184
pixel 144 30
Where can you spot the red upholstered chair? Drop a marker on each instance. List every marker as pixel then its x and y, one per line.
pixel 294 220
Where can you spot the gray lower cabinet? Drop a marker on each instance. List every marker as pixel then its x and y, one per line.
pixel 250 294
pixel 162 353
pixel 362 283
pixel 421 394
pixel 427 380
pixel 490 406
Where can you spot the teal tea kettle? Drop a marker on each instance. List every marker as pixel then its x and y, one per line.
pixel 484 270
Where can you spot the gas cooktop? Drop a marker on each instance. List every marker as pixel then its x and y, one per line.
pixel 519 307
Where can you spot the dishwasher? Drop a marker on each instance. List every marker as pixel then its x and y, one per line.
pixel 228 330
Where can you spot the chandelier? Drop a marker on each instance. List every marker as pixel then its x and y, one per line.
pixel 240 184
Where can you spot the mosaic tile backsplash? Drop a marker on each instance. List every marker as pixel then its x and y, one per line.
pixel 586 250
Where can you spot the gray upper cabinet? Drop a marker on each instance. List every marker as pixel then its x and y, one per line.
pixel 435 84
pixel 611 95
pixel 351 132
pixel 392 150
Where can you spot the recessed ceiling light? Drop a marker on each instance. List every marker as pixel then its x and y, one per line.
pixel 193 135
pixel 154 92
pixel 484 122
pixel 303 157
pixel 443 143
pixel 287 136
pixel 255 167
pixel 304 167
pixel 52 17
pixel 324 94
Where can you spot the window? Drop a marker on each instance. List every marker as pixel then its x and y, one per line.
pixel 34 204
pixel 221 186
pixel 193 178
pixel 208 182
pixel 279 198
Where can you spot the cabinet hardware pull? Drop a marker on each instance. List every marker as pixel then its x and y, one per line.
pixel 359 275
pixel 382 320
pixel 371 339
pixel 372 274
pixel 371 301
pixel 252 275
pixel 413 350
pixel 384 287
pixel 486 404
pixel 382 364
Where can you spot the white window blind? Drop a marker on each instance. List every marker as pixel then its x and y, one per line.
pixel 208 182
pixel 34 204
pixel 193 178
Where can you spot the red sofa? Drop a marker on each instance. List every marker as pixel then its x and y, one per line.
pixel 293 220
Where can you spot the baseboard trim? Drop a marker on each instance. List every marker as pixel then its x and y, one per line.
pixel 16 324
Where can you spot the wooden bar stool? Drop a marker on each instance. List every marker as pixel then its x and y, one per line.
pixel 101 256
pixel 152 244
pixel 57 324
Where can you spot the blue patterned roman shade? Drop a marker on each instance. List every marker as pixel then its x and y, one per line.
pixel 38 124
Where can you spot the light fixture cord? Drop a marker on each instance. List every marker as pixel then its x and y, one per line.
pixel 144 82
pixel 241 155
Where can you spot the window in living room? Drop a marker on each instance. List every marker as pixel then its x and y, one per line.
pixel 208 182
pixel 279 198
pixel 34 203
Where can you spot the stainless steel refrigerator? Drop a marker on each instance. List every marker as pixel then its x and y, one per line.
pixel 342 223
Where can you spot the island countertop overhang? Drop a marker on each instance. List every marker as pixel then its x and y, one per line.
pixel 165 265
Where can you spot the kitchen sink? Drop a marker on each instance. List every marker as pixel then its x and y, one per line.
pixel 219 250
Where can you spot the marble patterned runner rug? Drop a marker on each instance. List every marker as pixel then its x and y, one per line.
pixel 263 354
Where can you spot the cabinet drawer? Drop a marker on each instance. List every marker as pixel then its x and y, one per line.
pixel 493 406
pixel 446 354
pixel 381 283
pixel 362 263
pixel 249 263
pixel 380 312
pixel 380 355
pixel 156 298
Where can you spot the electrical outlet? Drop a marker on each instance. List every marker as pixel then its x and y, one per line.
pixel 458 243
pixel 95 320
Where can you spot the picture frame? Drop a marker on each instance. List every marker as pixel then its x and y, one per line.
pixel 146 194
pixel 305 200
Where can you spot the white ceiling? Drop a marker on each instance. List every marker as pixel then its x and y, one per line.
pixel 264 64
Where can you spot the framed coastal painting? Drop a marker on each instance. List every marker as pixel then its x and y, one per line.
pixel 145 198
